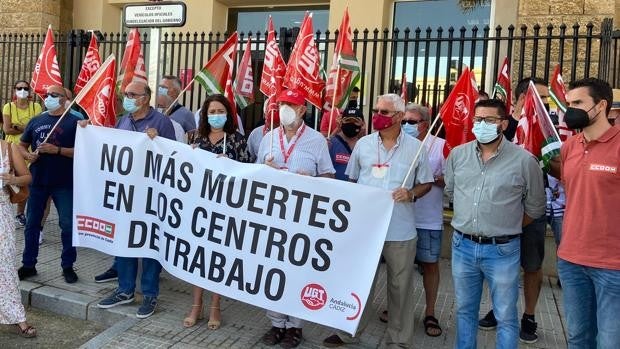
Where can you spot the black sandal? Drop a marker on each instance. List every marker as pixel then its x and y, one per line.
pixel 292 338
pixel 28 332
pixel 384 317
pixel 273 336
pixel 430 322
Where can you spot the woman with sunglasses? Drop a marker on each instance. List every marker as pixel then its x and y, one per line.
pixel 15 117
pixel 217 134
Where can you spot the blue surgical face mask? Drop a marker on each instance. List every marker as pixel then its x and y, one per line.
pixel 411 130
pixel 52 103
pixel 162 91
pixel 217 120
pixel 129 104
pixel 486 133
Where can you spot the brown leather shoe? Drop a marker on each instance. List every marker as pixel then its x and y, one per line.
pixel 333 341
pixel 273 336
pixel 292 338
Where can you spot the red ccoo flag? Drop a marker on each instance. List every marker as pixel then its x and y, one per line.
pixel 557 90
pixel 403 88
pixel 457 113
pixel 46 71
pixel 97 98
pixel 272 76
pixel 535 132
pixel 132 65
pixel 303 72
pixel 244 82
pixel 502 89
pixel 92 62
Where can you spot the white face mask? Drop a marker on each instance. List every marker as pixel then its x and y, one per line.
pixel 288 117
pixel 21 94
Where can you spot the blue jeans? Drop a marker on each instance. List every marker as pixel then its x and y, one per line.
pixel 556 228
pixel 591 305
pixel 63 200
pixel 127 268
pixel 499 265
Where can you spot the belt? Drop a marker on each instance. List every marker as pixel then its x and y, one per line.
pixel 484 240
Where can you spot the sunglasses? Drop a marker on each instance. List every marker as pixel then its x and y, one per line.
pixel 22 88
pixel 410 122
pixel 53 95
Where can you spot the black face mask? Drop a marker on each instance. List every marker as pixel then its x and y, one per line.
pixel 350 129
pixel 576 118
pixel 546 107
pixel 352 103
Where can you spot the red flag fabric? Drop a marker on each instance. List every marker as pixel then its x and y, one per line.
pixel 218 70
pixel 403 88
pixel 228 93
pixel 46 71
pixel 303 71
pixel 535 132
pixel 272 76
pixel 132 65
pixel 91 63
pixel 244 82
pixel 345 67
pixel 98 99
pixel 502 89
pixel 457 112
pixel 557 90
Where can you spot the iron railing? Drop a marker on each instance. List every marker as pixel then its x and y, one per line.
pixel 431 58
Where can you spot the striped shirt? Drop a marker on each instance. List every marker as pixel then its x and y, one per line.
pixel 369 151
pixel 556 199
pixel 254 139
pixel 307 151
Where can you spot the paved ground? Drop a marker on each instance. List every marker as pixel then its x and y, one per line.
pixel 243 324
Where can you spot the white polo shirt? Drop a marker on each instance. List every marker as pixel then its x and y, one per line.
pixel 428 209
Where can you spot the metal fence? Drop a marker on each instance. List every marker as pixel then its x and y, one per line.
pixel 431 58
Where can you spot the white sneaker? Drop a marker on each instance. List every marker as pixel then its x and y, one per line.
pixel 40 237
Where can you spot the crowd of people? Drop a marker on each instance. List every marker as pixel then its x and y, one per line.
pixel 502 202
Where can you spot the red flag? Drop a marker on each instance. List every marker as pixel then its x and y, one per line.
pixel 557 90
pixel 244 82
pixel 502 89
pixel 273 72
pixel 457 112
pixel 345 67
pixel 218 70
pixel 46 71
pixel 228 93
pixel 97 97
pixel 92 62
pixel 535 132
pixel 132 65
pixel 403 88
pixel 303 71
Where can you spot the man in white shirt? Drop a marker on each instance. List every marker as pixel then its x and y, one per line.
pixel 382 159
pixel 299 149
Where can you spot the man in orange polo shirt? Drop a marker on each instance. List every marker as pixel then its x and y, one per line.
pixel 589 253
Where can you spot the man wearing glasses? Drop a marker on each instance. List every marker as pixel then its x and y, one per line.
pixel 497 188
pixel 140 117
pixel 52 176
pixel 382 159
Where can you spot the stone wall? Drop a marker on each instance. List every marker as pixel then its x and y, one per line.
pixel 556 12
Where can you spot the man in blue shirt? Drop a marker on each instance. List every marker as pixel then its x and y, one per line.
pixel 52 175
pixel 341 145
pixel 141 117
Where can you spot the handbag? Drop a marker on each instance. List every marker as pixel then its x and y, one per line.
pixel 17 194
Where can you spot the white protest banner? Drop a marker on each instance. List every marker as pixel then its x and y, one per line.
pixel 303 246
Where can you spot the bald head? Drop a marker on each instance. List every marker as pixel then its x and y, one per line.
pixel 55 100
pixel 141 93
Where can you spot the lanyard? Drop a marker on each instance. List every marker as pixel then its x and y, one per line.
pixel 287 153
pixel 390 153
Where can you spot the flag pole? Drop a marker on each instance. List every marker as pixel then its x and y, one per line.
pixel 555 132
pixel 417 154
pixel 333 106
pixel 86 88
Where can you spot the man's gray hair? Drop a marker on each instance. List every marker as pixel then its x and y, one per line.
pixel 396 100
pixel 176 82
pixel 420 109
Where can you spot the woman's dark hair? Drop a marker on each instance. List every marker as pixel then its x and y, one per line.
pixel 204 128
pixel 21 81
